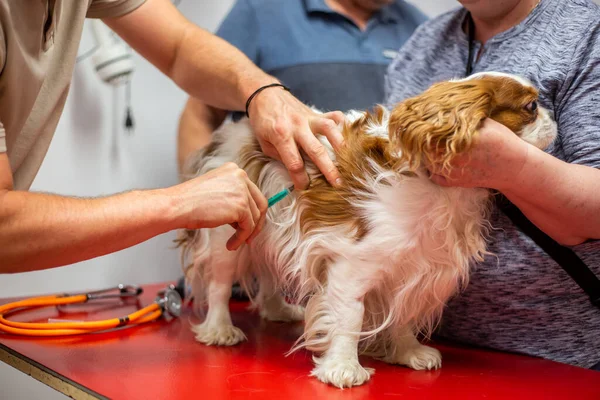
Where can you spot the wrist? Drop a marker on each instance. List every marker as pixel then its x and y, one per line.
pixel 247 87
pixel 513 167
pixel 261 89
pixel 528 175
pixel 163 208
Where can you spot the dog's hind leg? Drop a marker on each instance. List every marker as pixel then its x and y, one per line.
pixel 217 328
pixel 272 304
pixel 405 349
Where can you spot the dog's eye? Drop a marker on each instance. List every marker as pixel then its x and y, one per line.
pixel 531 107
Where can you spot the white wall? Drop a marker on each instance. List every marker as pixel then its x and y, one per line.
pixel 92 155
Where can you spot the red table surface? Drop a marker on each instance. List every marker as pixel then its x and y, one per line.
pixel 162 360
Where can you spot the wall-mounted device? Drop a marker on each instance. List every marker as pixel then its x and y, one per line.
pixel 112 60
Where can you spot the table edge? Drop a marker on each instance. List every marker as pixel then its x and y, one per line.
pixel 47 376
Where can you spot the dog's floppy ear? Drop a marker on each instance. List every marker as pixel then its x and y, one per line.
pixel 440 123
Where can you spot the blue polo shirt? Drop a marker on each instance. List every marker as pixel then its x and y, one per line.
pixel 325 59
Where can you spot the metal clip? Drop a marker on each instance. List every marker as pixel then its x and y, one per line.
pixel 124 291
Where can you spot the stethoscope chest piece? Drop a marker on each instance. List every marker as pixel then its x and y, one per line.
pixel 170 302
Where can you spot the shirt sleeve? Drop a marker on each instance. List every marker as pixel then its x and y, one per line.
pixel 240 28
pixel 112 8
pixel 577 110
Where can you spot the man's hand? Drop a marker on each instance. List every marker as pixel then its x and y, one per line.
pixel 222 196
pixel 495 161
pixel 215 72
pixel 283 124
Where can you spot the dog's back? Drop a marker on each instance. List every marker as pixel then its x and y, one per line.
pixel 397 258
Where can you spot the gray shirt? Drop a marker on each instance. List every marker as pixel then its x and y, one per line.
pixel 523 301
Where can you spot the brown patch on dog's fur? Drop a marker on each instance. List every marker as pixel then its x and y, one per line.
pixel 328 206
pixel 253 160
pixel 443 121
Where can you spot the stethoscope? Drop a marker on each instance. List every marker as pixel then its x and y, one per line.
pixel 167 304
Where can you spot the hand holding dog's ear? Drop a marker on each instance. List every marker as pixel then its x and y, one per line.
pixel 441 123
pixel 283 124
pixel 494 161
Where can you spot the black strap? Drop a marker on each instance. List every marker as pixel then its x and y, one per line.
pixel 260 89
pixel 565 257
pixel 471 36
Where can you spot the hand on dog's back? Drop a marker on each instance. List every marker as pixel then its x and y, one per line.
pixel 283 126
pixel 223 196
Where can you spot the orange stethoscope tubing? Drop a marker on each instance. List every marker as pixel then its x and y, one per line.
pixel 146 314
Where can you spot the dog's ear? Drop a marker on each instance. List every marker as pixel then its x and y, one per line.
pixel 441 123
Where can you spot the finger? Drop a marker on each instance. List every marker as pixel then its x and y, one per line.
pixel 290 156
pixel 260 200
pixel 245 228
pixel 270 150
pixel 317 152
pixel 255 215
pixel 259 227
pixel 337 116
pixel 263 205
pixel 328 128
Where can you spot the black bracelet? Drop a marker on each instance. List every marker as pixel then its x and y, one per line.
pixel 260 89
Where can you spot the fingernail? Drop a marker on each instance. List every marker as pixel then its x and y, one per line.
pixel 339 182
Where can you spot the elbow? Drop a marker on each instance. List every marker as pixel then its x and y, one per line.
pixel 173 68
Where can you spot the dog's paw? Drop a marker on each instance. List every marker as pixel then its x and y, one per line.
pixel 342 373
pixel 283 313
pixel 419 358
pixel 218 335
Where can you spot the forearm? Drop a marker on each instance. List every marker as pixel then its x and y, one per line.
pixel 205 66
pixel 40 231
pixel 559 198
pixel 215 72
pixel 196 125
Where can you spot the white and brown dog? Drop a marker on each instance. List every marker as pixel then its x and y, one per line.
pixel 375 260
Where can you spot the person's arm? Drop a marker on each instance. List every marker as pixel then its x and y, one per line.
pixel 218 74
pixel 560 198
pixel 40 231
pixel 196 125
pixel 242 29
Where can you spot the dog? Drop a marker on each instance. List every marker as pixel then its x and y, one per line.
pixel 375 260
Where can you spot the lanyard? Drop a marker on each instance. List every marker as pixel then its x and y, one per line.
pixel 471 35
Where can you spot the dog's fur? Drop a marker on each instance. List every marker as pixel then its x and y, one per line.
pixel 375 260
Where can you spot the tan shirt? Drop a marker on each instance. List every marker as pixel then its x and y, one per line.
pixel 39 40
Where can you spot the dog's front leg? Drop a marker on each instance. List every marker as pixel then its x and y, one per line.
pixel 343 318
